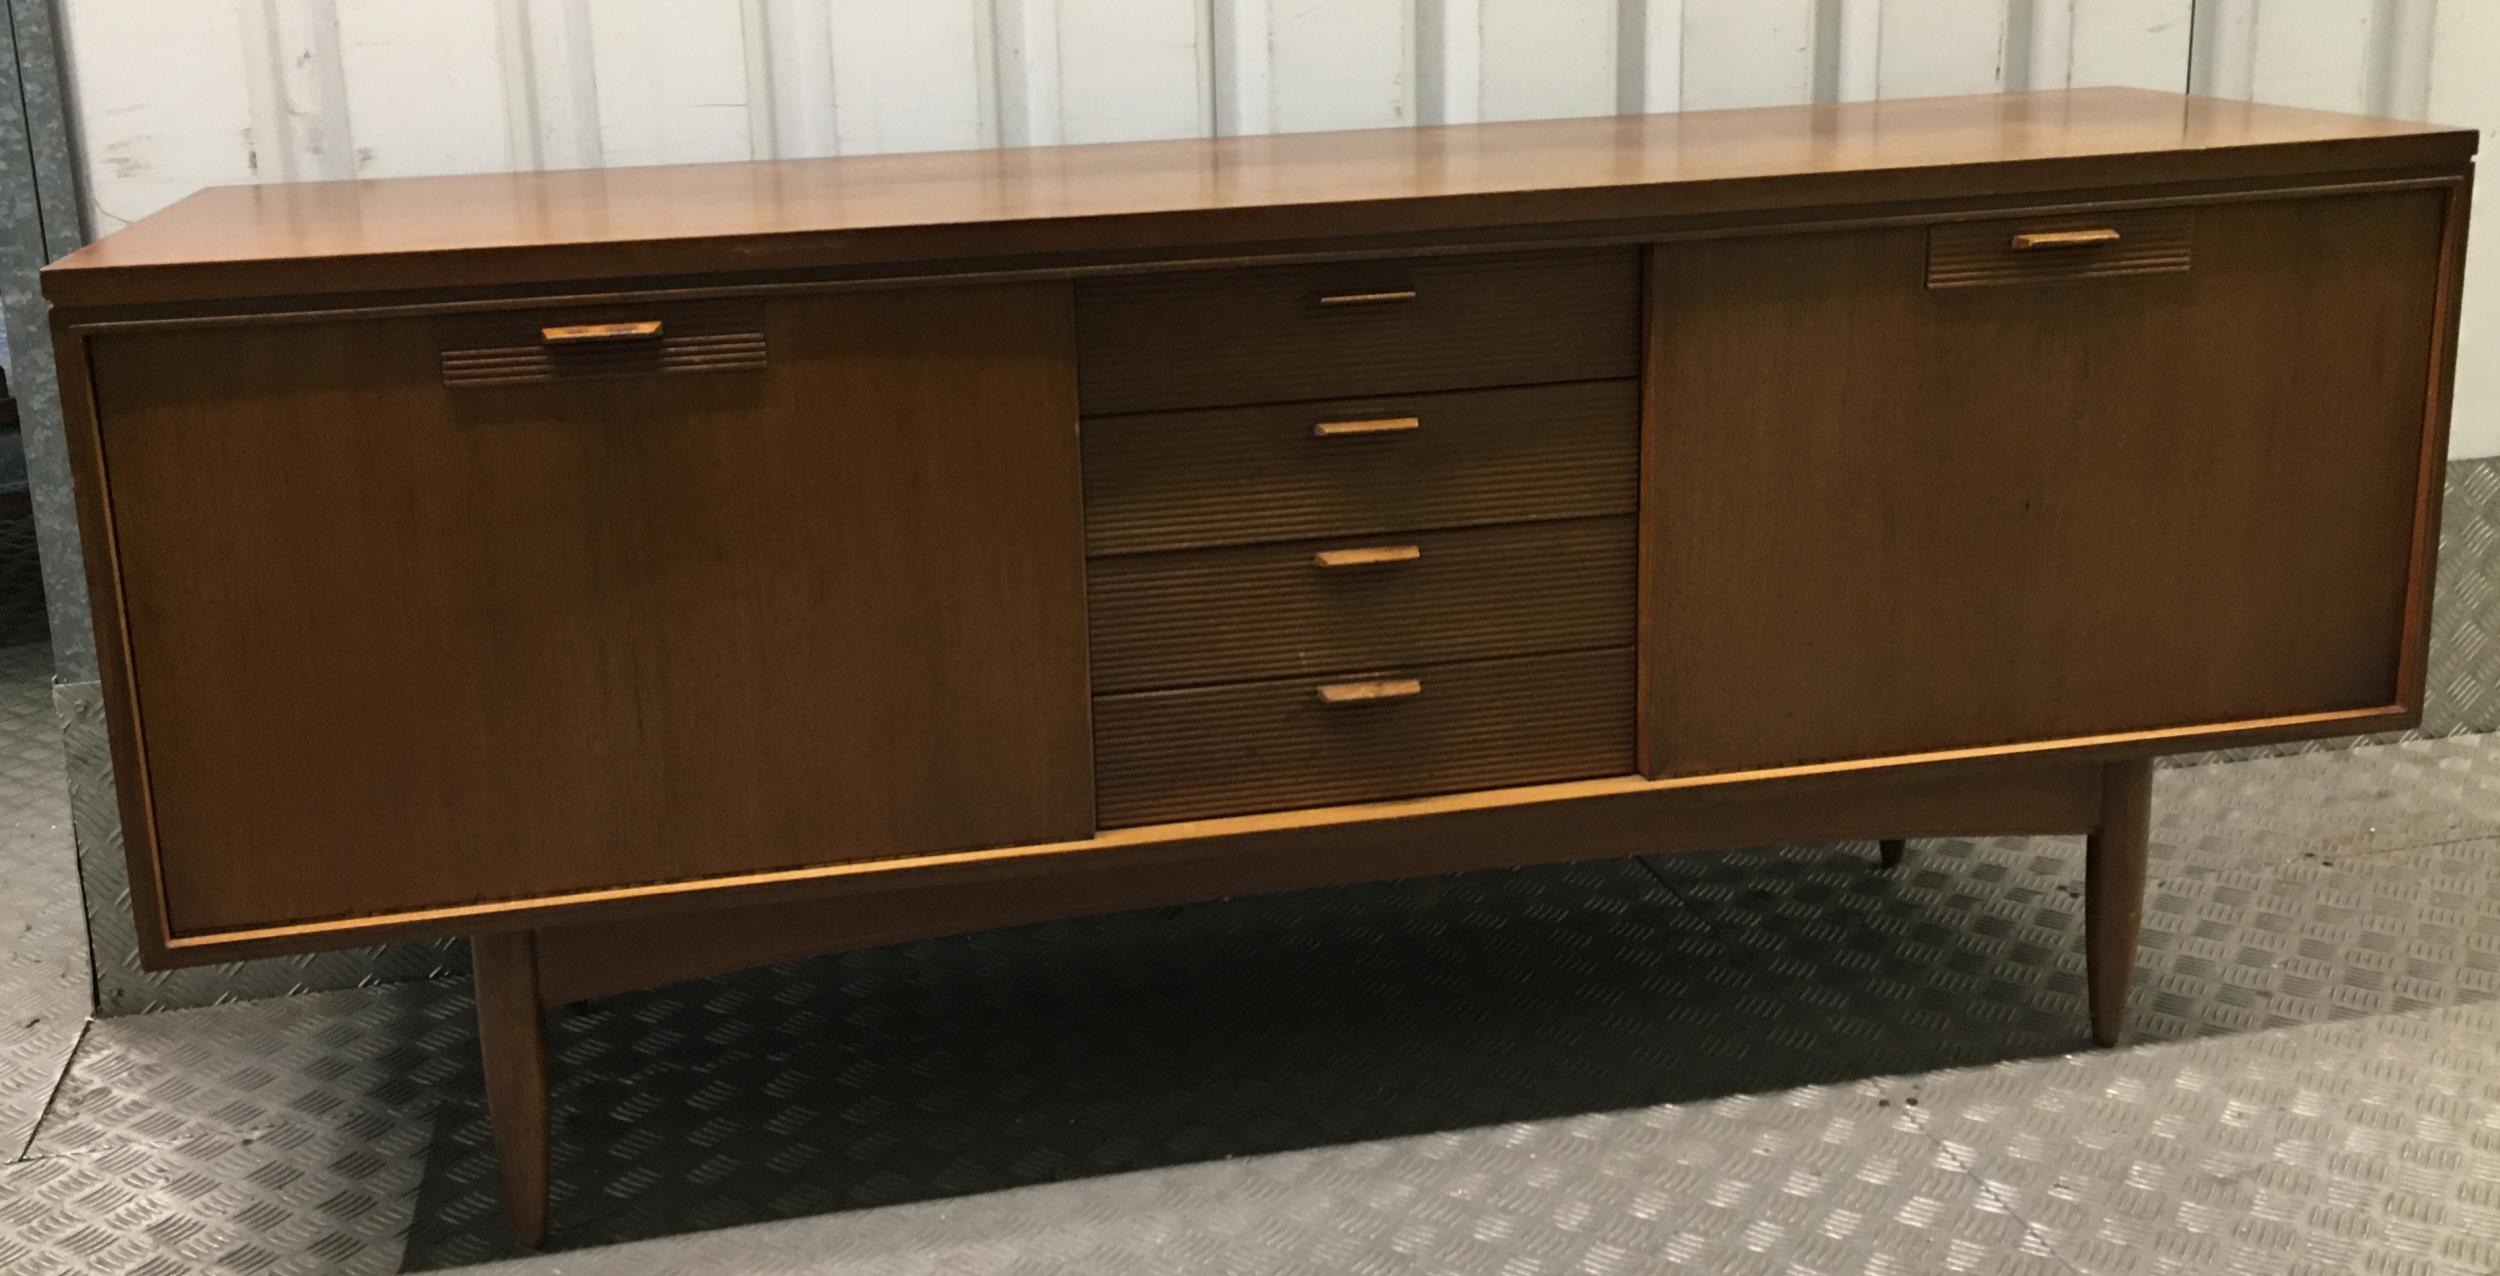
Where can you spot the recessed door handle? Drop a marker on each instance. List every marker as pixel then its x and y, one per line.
pixel 1368 556
pixel 2032 241
pixel 579 334
pixel 1356 429
pixel 1384 298
pixel 1370 692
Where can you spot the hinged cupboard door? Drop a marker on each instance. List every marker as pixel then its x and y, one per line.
pixel 425 611
pixel 1919 488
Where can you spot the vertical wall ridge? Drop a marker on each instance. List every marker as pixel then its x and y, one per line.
pixel 1239 82
pixel 2407 30
pixel 517 60
pixel 581 85
pixel 755 40
pixel 1027 32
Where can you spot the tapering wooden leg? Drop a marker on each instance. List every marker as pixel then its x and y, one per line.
pixel 2113 892
pixel 512 1034
pixel 1892 849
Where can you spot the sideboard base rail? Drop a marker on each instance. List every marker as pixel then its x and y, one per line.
pixel 594 958
pixel 521 974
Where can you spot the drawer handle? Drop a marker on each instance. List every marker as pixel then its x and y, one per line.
pixel 2038 239
pixel 576 334
pixel 1370 692
pixel 1370 556
pixel 1389 297
pixel 1381 425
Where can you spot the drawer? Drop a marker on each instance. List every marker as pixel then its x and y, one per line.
pixel 2063 246
pixel 1323 606
pixel 1238 476
pixel 516 347
pixel 1324 331
pixel 1267 746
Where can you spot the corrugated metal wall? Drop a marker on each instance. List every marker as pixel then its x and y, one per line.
pixel 174 96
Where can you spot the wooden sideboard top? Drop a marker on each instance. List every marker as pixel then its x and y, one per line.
pixel 1078 205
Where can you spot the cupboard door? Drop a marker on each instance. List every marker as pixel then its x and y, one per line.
pixel 758 599
pixel 1888 512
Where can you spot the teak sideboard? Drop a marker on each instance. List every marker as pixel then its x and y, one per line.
pixel 651 573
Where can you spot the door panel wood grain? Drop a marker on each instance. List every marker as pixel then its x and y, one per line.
pixel 1881 518
pixel 398 644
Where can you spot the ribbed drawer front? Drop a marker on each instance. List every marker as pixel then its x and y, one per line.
pixel 1238 476
pixel 1266 746
pixel 2060 247
pixel 1157 342
pixel 518 347
pixel 1325 606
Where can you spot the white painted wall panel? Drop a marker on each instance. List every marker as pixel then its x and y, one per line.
pixel 2460 87
pixel 913 76
pixel 789 69
pixel 1130 71
pixel 1340 64
pixel 1849 50
pixel 1027 34
pixel 550 83
pixel 2223 59
pixel 1547 59
pixel 673 80
pixel 2132 43
pixel 1449 61
pixel 1929 48
pixel 298 90
pixel 1748 52
pixel 1649 56
pixel 444 54
pixel 2316 53
pixel 163 105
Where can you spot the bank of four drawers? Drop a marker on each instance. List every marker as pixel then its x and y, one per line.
pixel 1359 531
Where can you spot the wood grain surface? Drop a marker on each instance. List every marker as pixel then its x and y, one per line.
pixel 1272 611
pixel 2072 246
pixel 596 957
pixel 1176 197
pixel 1159 342
pixel 396 644
pixel 1232 476
pixel 1882 517
pixel 1265 746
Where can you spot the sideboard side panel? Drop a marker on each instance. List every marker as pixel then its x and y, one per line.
pixel 397 643
pixel 1882 517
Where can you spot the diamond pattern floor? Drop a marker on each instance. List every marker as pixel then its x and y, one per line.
pixel 1772 1060
pixel 44 995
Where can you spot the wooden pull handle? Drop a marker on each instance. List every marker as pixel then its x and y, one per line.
pixel 1370 692
pixel 1389 297
pixel 2038 239
pixel 1369 556
pixel 1380 425
pixel 571 334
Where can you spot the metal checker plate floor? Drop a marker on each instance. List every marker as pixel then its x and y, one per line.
pixel 43 942
pixel 1777 1060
